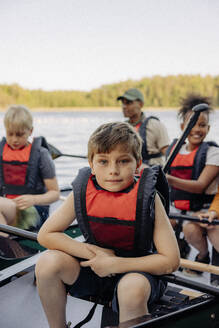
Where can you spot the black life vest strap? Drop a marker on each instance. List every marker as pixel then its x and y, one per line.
pixel 14 162
pixel 173 168
pixel 2 143
pixel 142 131
pixel 139 210
pixel 84 209
pixel 18 190
pixel 88 317
pixel 112 220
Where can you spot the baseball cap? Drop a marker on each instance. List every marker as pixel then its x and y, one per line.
pixel 132 94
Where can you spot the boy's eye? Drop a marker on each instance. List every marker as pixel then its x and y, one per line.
pixel 124 161
pixel 102 161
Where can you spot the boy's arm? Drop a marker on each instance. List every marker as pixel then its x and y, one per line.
pixel 52 236
pixel 165 261
pixel 50 196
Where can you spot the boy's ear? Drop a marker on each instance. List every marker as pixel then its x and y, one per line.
pixel 182 125
pixel 92 168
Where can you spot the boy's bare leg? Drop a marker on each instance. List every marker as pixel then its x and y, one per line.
pixel 194 235
pixel 7 212
pixel 53 269
pixel 133 293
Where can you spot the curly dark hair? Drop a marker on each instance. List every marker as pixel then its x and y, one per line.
pixel 192 100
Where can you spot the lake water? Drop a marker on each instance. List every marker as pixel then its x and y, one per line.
pixel 70 131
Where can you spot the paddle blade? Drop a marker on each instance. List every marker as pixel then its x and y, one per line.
pixel 55 153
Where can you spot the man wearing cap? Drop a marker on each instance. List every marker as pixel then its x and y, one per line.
pixel 152 131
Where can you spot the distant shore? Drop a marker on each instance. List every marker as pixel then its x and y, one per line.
pixel 91 109
pixel 95 109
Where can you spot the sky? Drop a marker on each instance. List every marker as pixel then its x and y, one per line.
pixel 84 44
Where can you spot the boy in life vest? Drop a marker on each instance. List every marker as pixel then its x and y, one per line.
pixel 122 219
pixel 27 175
pixel 193 175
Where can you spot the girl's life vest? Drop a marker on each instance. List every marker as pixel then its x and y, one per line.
pixel 189 167
pixel 141 128
pixel 123 221
pixel 19 169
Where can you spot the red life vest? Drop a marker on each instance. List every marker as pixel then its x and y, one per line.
pixel 123 221
pixel 15 163
pixel 20 169
pixel 185 162
pixel 119 213
pixel 189 167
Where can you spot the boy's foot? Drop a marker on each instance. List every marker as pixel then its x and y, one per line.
pixel 205 260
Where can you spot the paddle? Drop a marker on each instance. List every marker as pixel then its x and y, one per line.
pixel 199 266
pixel 184 263
pixel 57 153
pixel 190 124
pixel 182 217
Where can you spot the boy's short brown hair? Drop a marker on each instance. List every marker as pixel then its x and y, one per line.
pixel 107 136
pixel 18 117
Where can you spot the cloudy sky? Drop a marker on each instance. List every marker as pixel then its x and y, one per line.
pixel 83 44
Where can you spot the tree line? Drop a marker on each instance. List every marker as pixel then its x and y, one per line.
pixel 158 91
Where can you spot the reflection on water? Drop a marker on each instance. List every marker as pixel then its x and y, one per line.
pixel 69 132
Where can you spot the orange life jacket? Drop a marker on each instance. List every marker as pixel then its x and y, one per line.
pixel 122 221
pixel 20 173
pixel 189 167
pixel 15 174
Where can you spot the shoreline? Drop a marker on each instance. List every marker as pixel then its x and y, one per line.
pixel 97 109
pixel 92 109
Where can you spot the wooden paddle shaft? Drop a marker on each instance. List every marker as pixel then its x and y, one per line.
pixel 199 266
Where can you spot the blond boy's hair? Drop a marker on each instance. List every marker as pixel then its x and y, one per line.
pixel 110 135
pixel 18 118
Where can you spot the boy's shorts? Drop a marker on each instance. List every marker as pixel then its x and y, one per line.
pixel 105 289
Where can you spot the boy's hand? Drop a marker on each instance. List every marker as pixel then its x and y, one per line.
pixel 101 263
pixel 24 201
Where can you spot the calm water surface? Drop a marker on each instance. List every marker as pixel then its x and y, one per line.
pixel 69 132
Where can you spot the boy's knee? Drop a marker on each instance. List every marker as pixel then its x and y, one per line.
pixel 47 263
pixel 133 289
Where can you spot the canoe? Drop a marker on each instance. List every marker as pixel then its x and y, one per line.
pixel 185 302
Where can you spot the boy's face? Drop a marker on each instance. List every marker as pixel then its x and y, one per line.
pixel 199 131
pixel 17 139
pixel 114 171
